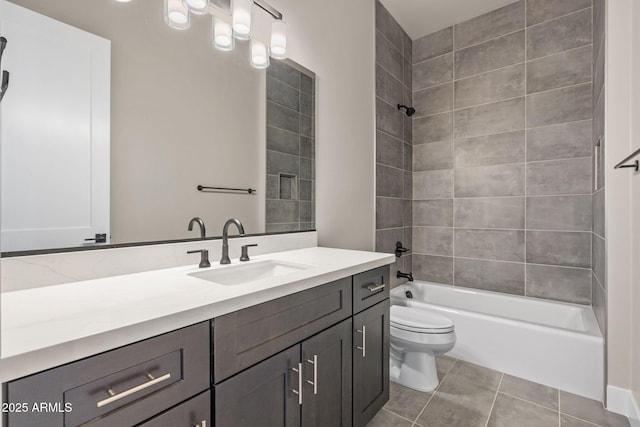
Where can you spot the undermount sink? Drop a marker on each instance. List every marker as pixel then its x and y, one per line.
pixel 250 272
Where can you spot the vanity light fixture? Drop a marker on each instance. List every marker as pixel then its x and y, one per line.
pixel 199 7
pixel 176 14
pixel 241 17
pixel 279 39
pixel 222 34
pixel 259 54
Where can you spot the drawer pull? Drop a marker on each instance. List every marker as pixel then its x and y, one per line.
pixel 364 340
pixel 375 288
pixel 202 423
pixel 299 390
pixel 113 396
pixel 314 383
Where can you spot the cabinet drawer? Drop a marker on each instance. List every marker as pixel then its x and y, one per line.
pixel 244 338
pixel 370 287
pixel 195 412
pixel 121 387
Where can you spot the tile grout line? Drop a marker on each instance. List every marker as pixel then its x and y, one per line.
pixel 493 404
pixel 455 362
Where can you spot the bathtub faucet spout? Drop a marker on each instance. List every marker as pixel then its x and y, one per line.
pixel 401 275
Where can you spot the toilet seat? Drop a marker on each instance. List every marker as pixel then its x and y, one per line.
pixel 419 320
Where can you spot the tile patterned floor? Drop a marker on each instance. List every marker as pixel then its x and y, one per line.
pixel 473 396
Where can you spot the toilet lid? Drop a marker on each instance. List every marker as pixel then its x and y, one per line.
pixel 419 320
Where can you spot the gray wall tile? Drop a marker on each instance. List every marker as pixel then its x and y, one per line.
pixel 543 10
pixel 283 94
pixel 493 24
pixel 432 241
pixel 433 184
pixel 599 259
pixel 490 55
pixel 408 185
pixel 386 239
pixel 494 276
pixel 488 181
pixel 388 119
pixel 282 228
pixel 503 116
pixel 499 245
pixel 559 283
pixel 280 162
pixel 284 73
pixel 408 158
pixel 599 304
pixel 407 214
pixel 389 182
pixel 433 45
pixel 433 128
pixel 388 26
pixel 306 211
pixel 282 141
pixel 388 56
pixel 437 99
pixel 559 70
pixel 389 150
pixel 283 211
pixel 599 22
pixel 307 84
pixel 305 189
pixel 431 268
pixel 572 249
pixel 571 176
pixel 598 72
pixel 599 213
pixel 407 47
pixel 387 86
pixel 500 212
pixel 273 187
pixel 282 117
pixel 433 213
pixel 489 87
pixel 561 141
pixel 567 213
pixel 389 212
pixel 433 72
pixel 307 106
pixel 307 148
pixel 559 106
pixel 489 150
pixel 306 126
pixel 407 73
pixel 433 156
pixel 568 32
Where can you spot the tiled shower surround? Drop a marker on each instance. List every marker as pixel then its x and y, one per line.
pixel 502 151
pixel 290 149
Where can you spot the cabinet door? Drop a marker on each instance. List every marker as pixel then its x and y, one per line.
pixel 194 412
pixel 263 395
pixel 326 361
pixel 370 362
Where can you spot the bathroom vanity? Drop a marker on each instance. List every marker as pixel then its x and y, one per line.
pixel 308 347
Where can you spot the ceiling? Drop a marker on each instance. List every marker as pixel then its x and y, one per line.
pixel 421 17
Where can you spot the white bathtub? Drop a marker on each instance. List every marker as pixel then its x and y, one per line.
pixel 551 343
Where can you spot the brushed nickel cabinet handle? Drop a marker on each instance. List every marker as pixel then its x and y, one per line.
pixel 202 423
pixel 299 390
pixel 113 396
pixel 375 288
pixel 314 383
pixel 364 340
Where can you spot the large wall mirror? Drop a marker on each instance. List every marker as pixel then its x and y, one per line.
pixel 180 114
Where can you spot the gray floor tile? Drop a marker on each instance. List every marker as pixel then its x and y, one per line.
pixel 511 412
pixel 568 421
pixel 467 373
pixel 590 410
pixel 527 390
pixel 406 402
pixel 458 403
pixel 444 365
pixel 387 419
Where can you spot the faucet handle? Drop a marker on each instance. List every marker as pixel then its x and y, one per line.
pixel 245 252
pixel 204 257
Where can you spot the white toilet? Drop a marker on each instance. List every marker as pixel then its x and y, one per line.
pixel 417 336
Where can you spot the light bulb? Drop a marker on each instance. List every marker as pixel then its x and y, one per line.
pixel 242 18
pixel 176 14
pixel 222 34
pixel 279 40
pixel 199 7
pixel 259 54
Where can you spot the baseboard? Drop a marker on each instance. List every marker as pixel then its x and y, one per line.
pixel 622 401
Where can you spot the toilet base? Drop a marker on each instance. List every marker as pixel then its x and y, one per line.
pixel 417 371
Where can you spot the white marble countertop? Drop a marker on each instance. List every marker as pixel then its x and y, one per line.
pixel 45 327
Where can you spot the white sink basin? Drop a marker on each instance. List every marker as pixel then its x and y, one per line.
pixel 249 272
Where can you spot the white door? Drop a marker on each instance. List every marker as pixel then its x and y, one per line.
pixel 54 133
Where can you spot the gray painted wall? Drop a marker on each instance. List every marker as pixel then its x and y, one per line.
pixel 393 139
pixel 502 146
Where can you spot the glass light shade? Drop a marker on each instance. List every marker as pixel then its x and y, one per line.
pixel 242 18
pixel 222 34
pixel 199 7
pixel 259 54
pixel 123 1
pixel 279 40
pixel 176 14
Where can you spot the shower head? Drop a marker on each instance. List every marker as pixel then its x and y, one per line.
pixel 410 111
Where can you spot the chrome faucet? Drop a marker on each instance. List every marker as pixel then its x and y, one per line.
pixel 200 222
pixel 225 238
